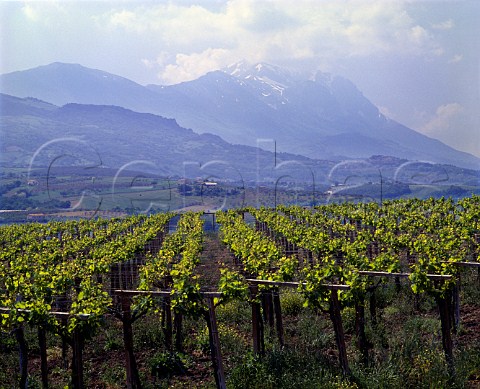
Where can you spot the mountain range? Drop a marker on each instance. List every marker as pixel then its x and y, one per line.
pixel 35 134
pixel 320 116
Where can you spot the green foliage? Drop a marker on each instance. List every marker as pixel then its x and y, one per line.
pixel 236 312
pixel 285 369
pixel 43 265
pixel 232 285
pixel 148 333
pixel 166 364
pixel 176 261
pixel 292 303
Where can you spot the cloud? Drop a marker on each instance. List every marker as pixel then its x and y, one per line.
pixel 272 31
pixel 456 58
pixel 446 25
pixel 442 119
pixel 162 59
pixel 128 20
pixel 49 12
pixel 30 12
pixel 454 125
pixel 190 67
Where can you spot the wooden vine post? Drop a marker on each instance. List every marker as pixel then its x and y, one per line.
pixel 445 308
pixel 272 312
pixel 133 378
pixel 373 307
pixel 363 344
pixel 267 308
pixel 167 326
pixel 215 344
pixel 257 323
pixel 75 340
pixel 456 305
pixel 177 322
pixel 334 312
pixel 22 353
pixel 42 344
pixel 167 322
pixel 77 359
pixel 336 318
pixel 64 345
pixel 457 289
pixel 278 316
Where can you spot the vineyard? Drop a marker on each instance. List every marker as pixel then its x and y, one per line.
pixel 338 295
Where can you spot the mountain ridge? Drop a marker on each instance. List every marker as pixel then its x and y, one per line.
pixel 313 115
pixel 111 136
pixel 95 139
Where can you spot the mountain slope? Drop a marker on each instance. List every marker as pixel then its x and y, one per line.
pixel 60 84
pixel 92 137
pixel 35 133
pixel 319 116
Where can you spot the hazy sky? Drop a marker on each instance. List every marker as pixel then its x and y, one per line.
pixel 418 61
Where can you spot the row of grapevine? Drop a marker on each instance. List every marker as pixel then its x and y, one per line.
pixel 64 277
pixel 349 244
pixel 48 268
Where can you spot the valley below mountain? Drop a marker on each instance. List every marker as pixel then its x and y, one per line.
pixel 264 127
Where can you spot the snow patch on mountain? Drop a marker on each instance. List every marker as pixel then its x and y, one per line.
pixel 271 82
pixel 267 81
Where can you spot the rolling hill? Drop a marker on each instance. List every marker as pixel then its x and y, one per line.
pixel 36 133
